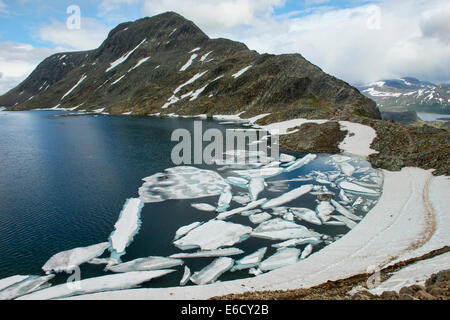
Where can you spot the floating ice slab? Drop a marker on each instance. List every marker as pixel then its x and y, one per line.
pixel 297 242
pixel 287 197
pixel 239 182
pixel 182 183
pixel 279 229
pixel 307 251
pixel 280 259
pixel 259 217
pixel 286 158
pixel 255 187
pixel 344 211
pixel 349 223
pixel 6 282
pixel 24 287
pixel 324 209
pixel 146 264
pixel 213 235
pixel 301 162
pixel 353 187
pixel 306 215
pixel 186 229
pixel 224 200
pixel 259 173
pixel 100 284
pixel 127 226
pixel 66 261
pixel 213 271
pixel 347 168
pixel 209 253
pixel 250 261
pixel 203 207
pixel 251 205
pixel 186 276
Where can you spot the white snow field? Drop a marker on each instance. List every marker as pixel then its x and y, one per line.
pixel 410 219
pixel 126 227
pixel 67 261
pixel 124 57
pixel 83 77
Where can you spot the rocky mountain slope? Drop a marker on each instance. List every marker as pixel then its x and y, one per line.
pixel 409 93
pixel 166 64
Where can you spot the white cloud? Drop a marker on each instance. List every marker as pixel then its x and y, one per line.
pixel 17 61
pixel 360 44
pixel 215 15
pixel 91 34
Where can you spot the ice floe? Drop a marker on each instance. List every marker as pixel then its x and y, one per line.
pixel 213 271
pixel 213 235
pixel 281 258
pixel 297 242
pixel 145 264
pixel 250 261
pixel 353 187
pixel 186 229
pixel 186 276
pixel 345 212
pixel 255 187
pixel 324 209
pixel 258 218
pixel 301 162
pixel 29 285
pixel 306 214
pixel 203 207
pixel 67 261
pixel 279 229
pixel 182 183
pixel 99 284
pixel 307 251
pixel 251 205
pixel 288 196
pixel 126 227
pixel 209 253
pixel 6 282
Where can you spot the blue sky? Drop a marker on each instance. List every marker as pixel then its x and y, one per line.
pixel 356 40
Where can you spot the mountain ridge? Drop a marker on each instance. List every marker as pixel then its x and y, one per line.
pixel 161 55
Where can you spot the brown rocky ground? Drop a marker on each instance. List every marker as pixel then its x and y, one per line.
pixel 437 287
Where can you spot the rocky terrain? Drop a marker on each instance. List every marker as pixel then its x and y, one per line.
pixel 166 64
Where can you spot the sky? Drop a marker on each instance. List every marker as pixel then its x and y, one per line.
pixel 355 40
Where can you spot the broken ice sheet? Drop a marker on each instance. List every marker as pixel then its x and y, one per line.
pixel 281 258
pixel 353 187
pixel 182 183
pixel 213 271
pixel 287 197
pixel 209 253
pixel 213 235
pixel 279 229
pixel 185 229
pixel 146 264
pixel 258 218
pixel 250 261
pixel 203 207
pixel 255 187
pixel 6 282
pixel 307 251
pixel 31 284
pixel 67 261
pixel 186 276
pixel 345 212
pixel 306 214
pixel 297 242
pixel 99 284
pixel 126 227
pixel 301 162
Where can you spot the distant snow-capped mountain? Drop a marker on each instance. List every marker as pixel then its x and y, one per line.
pixel 410 93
